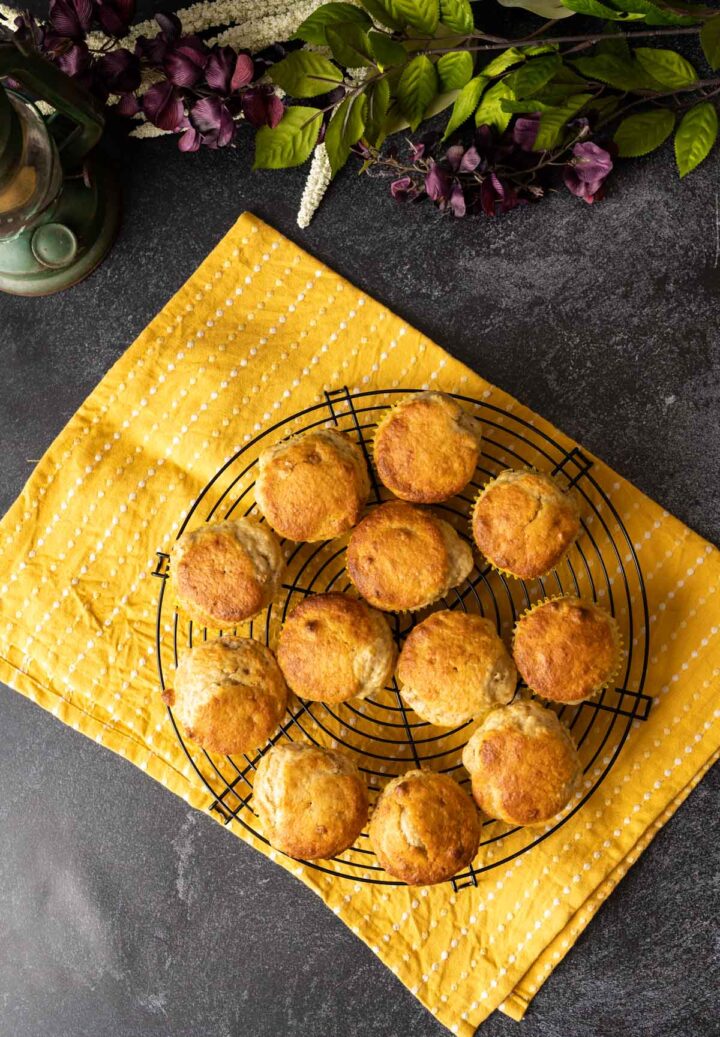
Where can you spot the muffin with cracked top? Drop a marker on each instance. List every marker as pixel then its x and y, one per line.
pixel 402 558
pixel 312 802
pixel 524 523
pixel 334 647
pixel 426 448
pixel 312 486
pixel 424 829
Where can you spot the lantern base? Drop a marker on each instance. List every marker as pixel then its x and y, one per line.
pixel 73 237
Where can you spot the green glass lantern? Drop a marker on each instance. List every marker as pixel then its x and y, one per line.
pixel 59 204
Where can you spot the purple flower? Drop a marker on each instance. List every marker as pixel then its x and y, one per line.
pixel 454 156
pixel 587 171
pixel 72 58
pixel 456 202
pixel 227 72
pixel 212 120
pixel 404 189
pixel 120 71
pixel 127 105
pixel 163 106
pixel 155 49
pixel 115 16
pixel 261 107
pixel 470 161
pixel 70 18
pixel 185 61
pixel 525 131
pixel 437 184
pixel 416 152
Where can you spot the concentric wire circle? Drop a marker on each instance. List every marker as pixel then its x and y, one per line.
pixel 382 733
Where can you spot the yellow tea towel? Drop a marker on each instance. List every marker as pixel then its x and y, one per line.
pixel 259 333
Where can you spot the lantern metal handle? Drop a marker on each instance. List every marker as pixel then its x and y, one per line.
pixel 47 82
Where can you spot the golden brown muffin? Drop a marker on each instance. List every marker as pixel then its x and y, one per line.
pixel 426 448
pixel 226 572
pixel 524 523
pixel 312 802
pixel 404 558
pixel 312 486
pixel 523 764
pixel 229 694
pixel 334 647
pixel 566 649
pixel 453 667
pixel 424 828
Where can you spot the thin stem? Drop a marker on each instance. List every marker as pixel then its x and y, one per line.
pixel 648 96
pixel 585 38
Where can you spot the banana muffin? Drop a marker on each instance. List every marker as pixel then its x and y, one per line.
pixel 426 448
pixel 312 486
pixel 424 828
pixel 523 764
pixel 226 572
pixel 334 647
pixel 403 558
pixel 524 523
pixel 312 802
pixel 229 694
pixel 454 667
pixel 567 649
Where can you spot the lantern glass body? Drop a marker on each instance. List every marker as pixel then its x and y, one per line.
pixel 33 175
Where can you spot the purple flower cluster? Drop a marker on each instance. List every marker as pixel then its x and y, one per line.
pixel 200 91
pixel 495 174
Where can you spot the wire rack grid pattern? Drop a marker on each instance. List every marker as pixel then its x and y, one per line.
pixel 382 733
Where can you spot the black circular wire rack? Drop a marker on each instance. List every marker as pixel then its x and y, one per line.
pixel 382 733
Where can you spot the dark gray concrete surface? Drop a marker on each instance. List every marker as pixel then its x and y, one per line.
pixel 122 914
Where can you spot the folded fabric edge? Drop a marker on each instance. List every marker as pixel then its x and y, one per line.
pixel 518 1001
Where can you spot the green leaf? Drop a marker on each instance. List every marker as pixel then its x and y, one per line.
pixel 544 8
pixel 710 40
pixel 416 89
pixel 387 52
pixel 455 69
pixel 653 13
pixel 666 66
pixel 503 62
pixel 345 129
pixel 553 122
pixel 312 30
pixel 490 112
pixel 617 47
pixel 292 140
pixel 384 12
pixel 378 101
pixel 465 104
pixel 305 74
pixel 540 48
pixel 617 72
pixel 642 133
pixel 420 14
pixel 350 45
pixel 598 10
pixel 457 15
pixel 527 107
pixel 528 79
pixel 695 136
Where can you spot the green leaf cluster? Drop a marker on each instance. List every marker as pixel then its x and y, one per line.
pixel 419 58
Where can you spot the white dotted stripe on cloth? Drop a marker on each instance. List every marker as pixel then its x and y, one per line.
pixel 577 878
pixel 140 362
pixel 176 440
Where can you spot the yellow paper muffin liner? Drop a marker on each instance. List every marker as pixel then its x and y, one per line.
pixel 508 572
pixel 617 638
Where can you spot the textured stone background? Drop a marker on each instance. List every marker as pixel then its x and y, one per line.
pixel 123 914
